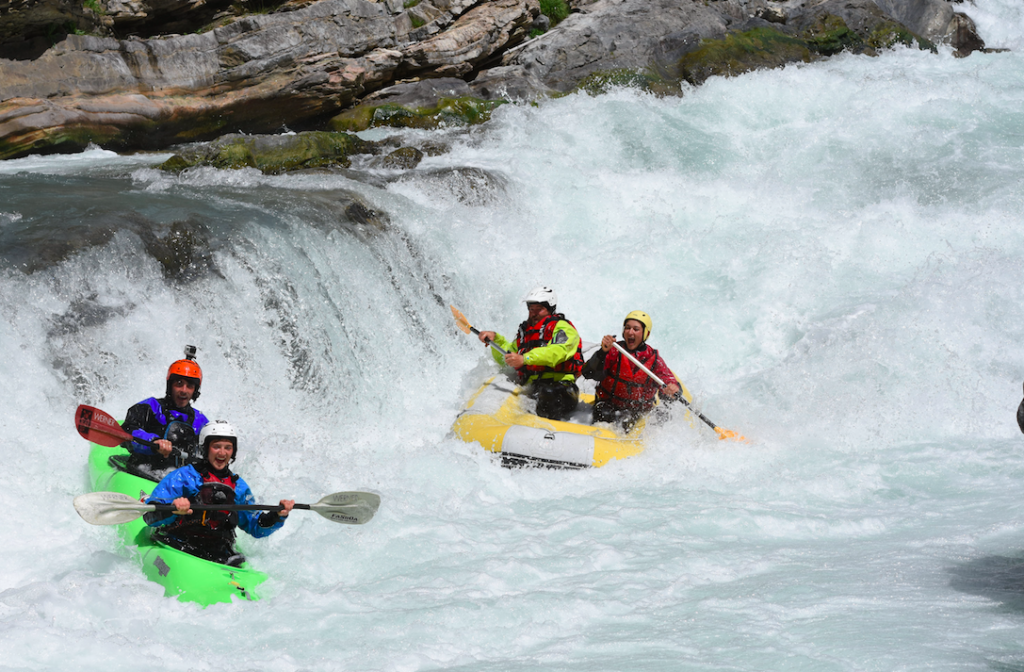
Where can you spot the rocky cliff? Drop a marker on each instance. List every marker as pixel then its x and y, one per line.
pixel 115 76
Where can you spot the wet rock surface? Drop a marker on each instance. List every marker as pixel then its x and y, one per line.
pixel 152 74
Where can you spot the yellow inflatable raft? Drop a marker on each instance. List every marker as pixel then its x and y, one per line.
pixel 495 418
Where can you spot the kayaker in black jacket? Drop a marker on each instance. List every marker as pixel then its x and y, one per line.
pixel 170 422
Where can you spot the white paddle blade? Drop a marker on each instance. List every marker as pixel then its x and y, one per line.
pixel 351 508
pixel 109 508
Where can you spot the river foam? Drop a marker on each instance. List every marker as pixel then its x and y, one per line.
pixel 830 253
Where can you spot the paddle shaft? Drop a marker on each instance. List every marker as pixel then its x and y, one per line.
pixel 659 381
pixel 228 507
pixel 489 341
pixel 465 326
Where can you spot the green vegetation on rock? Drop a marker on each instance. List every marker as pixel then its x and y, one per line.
pixel 830 35
pixel 464 111
pixel 763 47
pixel 598 83
pixel 601 82
pixel 738 53
pixel 556 10
pixel 271 154
pixel 888 34
pixel 67 139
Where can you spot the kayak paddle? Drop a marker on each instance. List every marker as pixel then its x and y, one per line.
pixel 462 323
pixel 114 508
pixel 722 433
pixel 101 428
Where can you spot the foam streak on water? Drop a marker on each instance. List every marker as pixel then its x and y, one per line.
pixel 831 254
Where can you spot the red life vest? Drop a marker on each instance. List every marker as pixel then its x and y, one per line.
pixel 624 384
pixel 538 335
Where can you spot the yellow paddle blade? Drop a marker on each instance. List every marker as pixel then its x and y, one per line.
pixel 729 434
pixel 460 320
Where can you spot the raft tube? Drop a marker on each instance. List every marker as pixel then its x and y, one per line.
pixel 184 576
pixel 495 418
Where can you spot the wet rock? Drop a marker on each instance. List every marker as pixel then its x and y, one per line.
pixel 405 158
pixel 771 15
pixel 427 104
pixel 813 36
pixel 84 313
pixel 737 53
pixel 964 35
pixel 184 252
pixel 361 214
pixel 928 18
pixel 272 154
pixel 467 186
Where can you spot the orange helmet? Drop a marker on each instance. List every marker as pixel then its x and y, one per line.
pixel 186 368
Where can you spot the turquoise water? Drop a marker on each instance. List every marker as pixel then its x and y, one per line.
pixel 831 255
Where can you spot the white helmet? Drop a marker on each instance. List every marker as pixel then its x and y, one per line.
pixel 542 295
pixel 218 429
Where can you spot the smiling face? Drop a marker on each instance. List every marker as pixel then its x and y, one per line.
pixel 182 390
pixel 633 334
pixel 220 452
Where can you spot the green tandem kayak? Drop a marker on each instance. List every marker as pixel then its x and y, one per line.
pixel 184 576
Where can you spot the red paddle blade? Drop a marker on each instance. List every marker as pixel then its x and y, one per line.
pixel 99 427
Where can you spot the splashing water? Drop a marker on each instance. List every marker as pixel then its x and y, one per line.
pixel 830 254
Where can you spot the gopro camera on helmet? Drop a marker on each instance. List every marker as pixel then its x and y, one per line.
pixel 190 352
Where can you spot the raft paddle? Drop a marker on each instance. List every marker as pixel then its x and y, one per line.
pixel 101 428
pixel 462 323
pixel 722 433
pixel 114 508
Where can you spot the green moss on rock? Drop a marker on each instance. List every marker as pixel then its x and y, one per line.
pixel 175 164
pixel 403 158
pixel 767 47
pixel 64 139
pixel 888 34
pixel 738 53
pixel 272 154
pixel 830 35
pixel 464 111
pixel 598 83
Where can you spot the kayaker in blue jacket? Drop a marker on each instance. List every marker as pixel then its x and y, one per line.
pixel 210 534
pixel 170 422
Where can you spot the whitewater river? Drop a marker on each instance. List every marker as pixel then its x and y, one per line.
pixel 832 256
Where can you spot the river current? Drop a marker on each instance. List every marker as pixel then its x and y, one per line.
pixel 831 254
